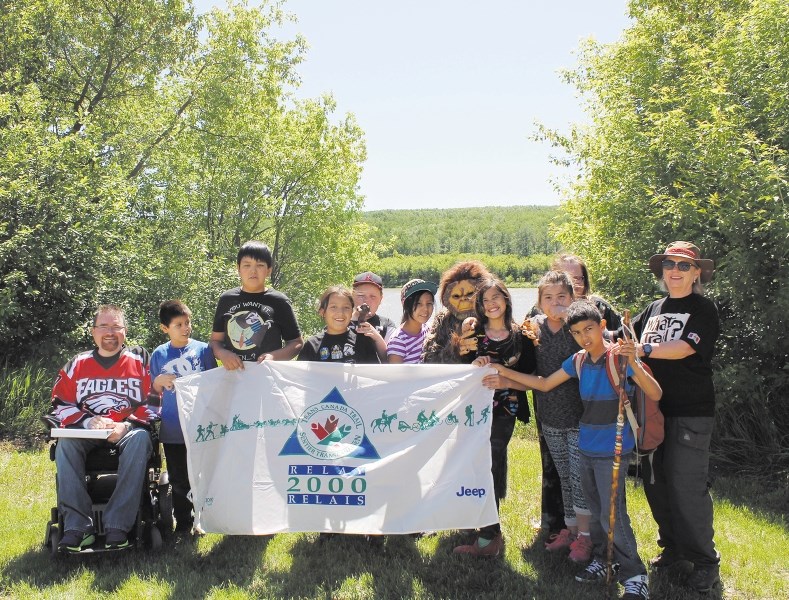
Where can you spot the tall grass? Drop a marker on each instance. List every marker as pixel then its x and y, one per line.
pixel 750 525
pixel 24 397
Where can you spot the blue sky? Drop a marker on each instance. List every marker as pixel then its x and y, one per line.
pixel 448 92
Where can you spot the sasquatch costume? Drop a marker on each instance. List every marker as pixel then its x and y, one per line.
pixel 457 288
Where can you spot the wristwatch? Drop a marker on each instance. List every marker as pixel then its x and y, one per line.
pixel 647 348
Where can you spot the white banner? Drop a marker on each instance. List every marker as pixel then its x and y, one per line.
pixel 306 446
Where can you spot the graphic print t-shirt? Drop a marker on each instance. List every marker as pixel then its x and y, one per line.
pixel 687 382
pixel 341 348
pixel 516 352
pixel 255 323
pixel 168 360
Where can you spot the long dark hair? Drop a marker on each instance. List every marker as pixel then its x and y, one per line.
pixel 409 304
pixel 479 305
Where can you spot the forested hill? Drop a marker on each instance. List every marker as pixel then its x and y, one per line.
pixel 519 230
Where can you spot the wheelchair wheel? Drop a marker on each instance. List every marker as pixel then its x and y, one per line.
pixel 154 538
pixel 54 540
pixel 165 517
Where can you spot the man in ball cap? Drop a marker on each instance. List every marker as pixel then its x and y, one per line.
pixel 368 292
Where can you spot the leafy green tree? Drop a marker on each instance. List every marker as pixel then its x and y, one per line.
pixel 253 163
pixel 137 155
pixel 520 230
pixel 74 125
pixel 689 140
pixel 55 228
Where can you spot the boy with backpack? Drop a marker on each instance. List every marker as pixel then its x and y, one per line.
pixel 597 438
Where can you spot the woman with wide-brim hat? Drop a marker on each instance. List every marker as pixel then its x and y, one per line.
pixel 677 336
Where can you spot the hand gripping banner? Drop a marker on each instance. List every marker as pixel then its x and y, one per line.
pixel 305 446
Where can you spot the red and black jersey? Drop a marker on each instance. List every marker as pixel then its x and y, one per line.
pixel 84 388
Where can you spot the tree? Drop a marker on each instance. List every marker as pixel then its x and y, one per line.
pixel 137 155
pixel 253 163
pixel 54 230
pixel 689 140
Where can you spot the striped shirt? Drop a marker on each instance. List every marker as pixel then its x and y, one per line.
pixel 407 346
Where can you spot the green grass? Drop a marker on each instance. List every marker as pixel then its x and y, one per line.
pixel 751 533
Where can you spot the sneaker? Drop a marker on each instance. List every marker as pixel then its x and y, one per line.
pixel 561 541
pixel 116 539
pixel 667 558
pixel 493 548
pixel 704 578
pixel 594 572
pixel 636 588
pixel 581 549
pixel 74 540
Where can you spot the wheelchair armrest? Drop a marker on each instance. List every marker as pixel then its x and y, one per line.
pixel 50 422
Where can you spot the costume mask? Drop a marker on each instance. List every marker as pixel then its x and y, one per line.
pixel 461 298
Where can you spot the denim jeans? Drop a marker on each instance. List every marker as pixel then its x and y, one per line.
pixel 74 502
pixel 680 498
pixel 596 475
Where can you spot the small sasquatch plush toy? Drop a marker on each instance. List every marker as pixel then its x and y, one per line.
pixel 457 289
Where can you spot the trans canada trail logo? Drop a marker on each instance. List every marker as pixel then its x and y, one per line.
pixel 330 430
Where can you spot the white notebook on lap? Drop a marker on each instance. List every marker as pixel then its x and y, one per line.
pixel 92 434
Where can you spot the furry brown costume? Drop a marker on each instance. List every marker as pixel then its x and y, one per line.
pixel 457 289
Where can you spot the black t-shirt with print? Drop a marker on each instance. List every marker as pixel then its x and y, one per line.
pixel 340 348
pixel 255 323
pixel 384 325
pixel 516 352
pixel 686 382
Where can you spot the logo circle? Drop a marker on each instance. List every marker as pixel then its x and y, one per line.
pixel 330 430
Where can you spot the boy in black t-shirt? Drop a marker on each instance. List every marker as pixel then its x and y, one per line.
pixel 253 323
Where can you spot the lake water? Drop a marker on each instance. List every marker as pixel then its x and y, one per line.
pixel 522 301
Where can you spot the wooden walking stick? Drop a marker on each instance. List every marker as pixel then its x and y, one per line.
pixel 620 425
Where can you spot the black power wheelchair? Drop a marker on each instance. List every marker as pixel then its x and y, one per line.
pixel 154 521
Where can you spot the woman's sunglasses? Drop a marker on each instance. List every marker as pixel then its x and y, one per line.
pixel 669 265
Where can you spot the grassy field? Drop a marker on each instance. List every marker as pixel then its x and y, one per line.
pixel 751 533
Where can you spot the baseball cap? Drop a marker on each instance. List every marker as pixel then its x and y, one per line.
pixel 368 277
pixel 417 285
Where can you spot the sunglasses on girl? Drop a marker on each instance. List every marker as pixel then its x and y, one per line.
pixel 669 265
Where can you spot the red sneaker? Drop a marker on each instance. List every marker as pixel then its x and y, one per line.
pixel 581 549
pixel 561 541
pixel 494 548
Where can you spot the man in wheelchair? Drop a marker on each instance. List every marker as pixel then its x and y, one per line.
pixel 106 388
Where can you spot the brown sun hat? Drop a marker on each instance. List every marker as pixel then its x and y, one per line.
pixel 683 250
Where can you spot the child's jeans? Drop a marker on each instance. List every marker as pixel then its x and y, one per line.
pixel 596 474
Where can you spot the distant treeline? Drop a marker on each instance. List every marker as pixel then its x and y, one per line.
pixel 516 230
pixel 396 270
